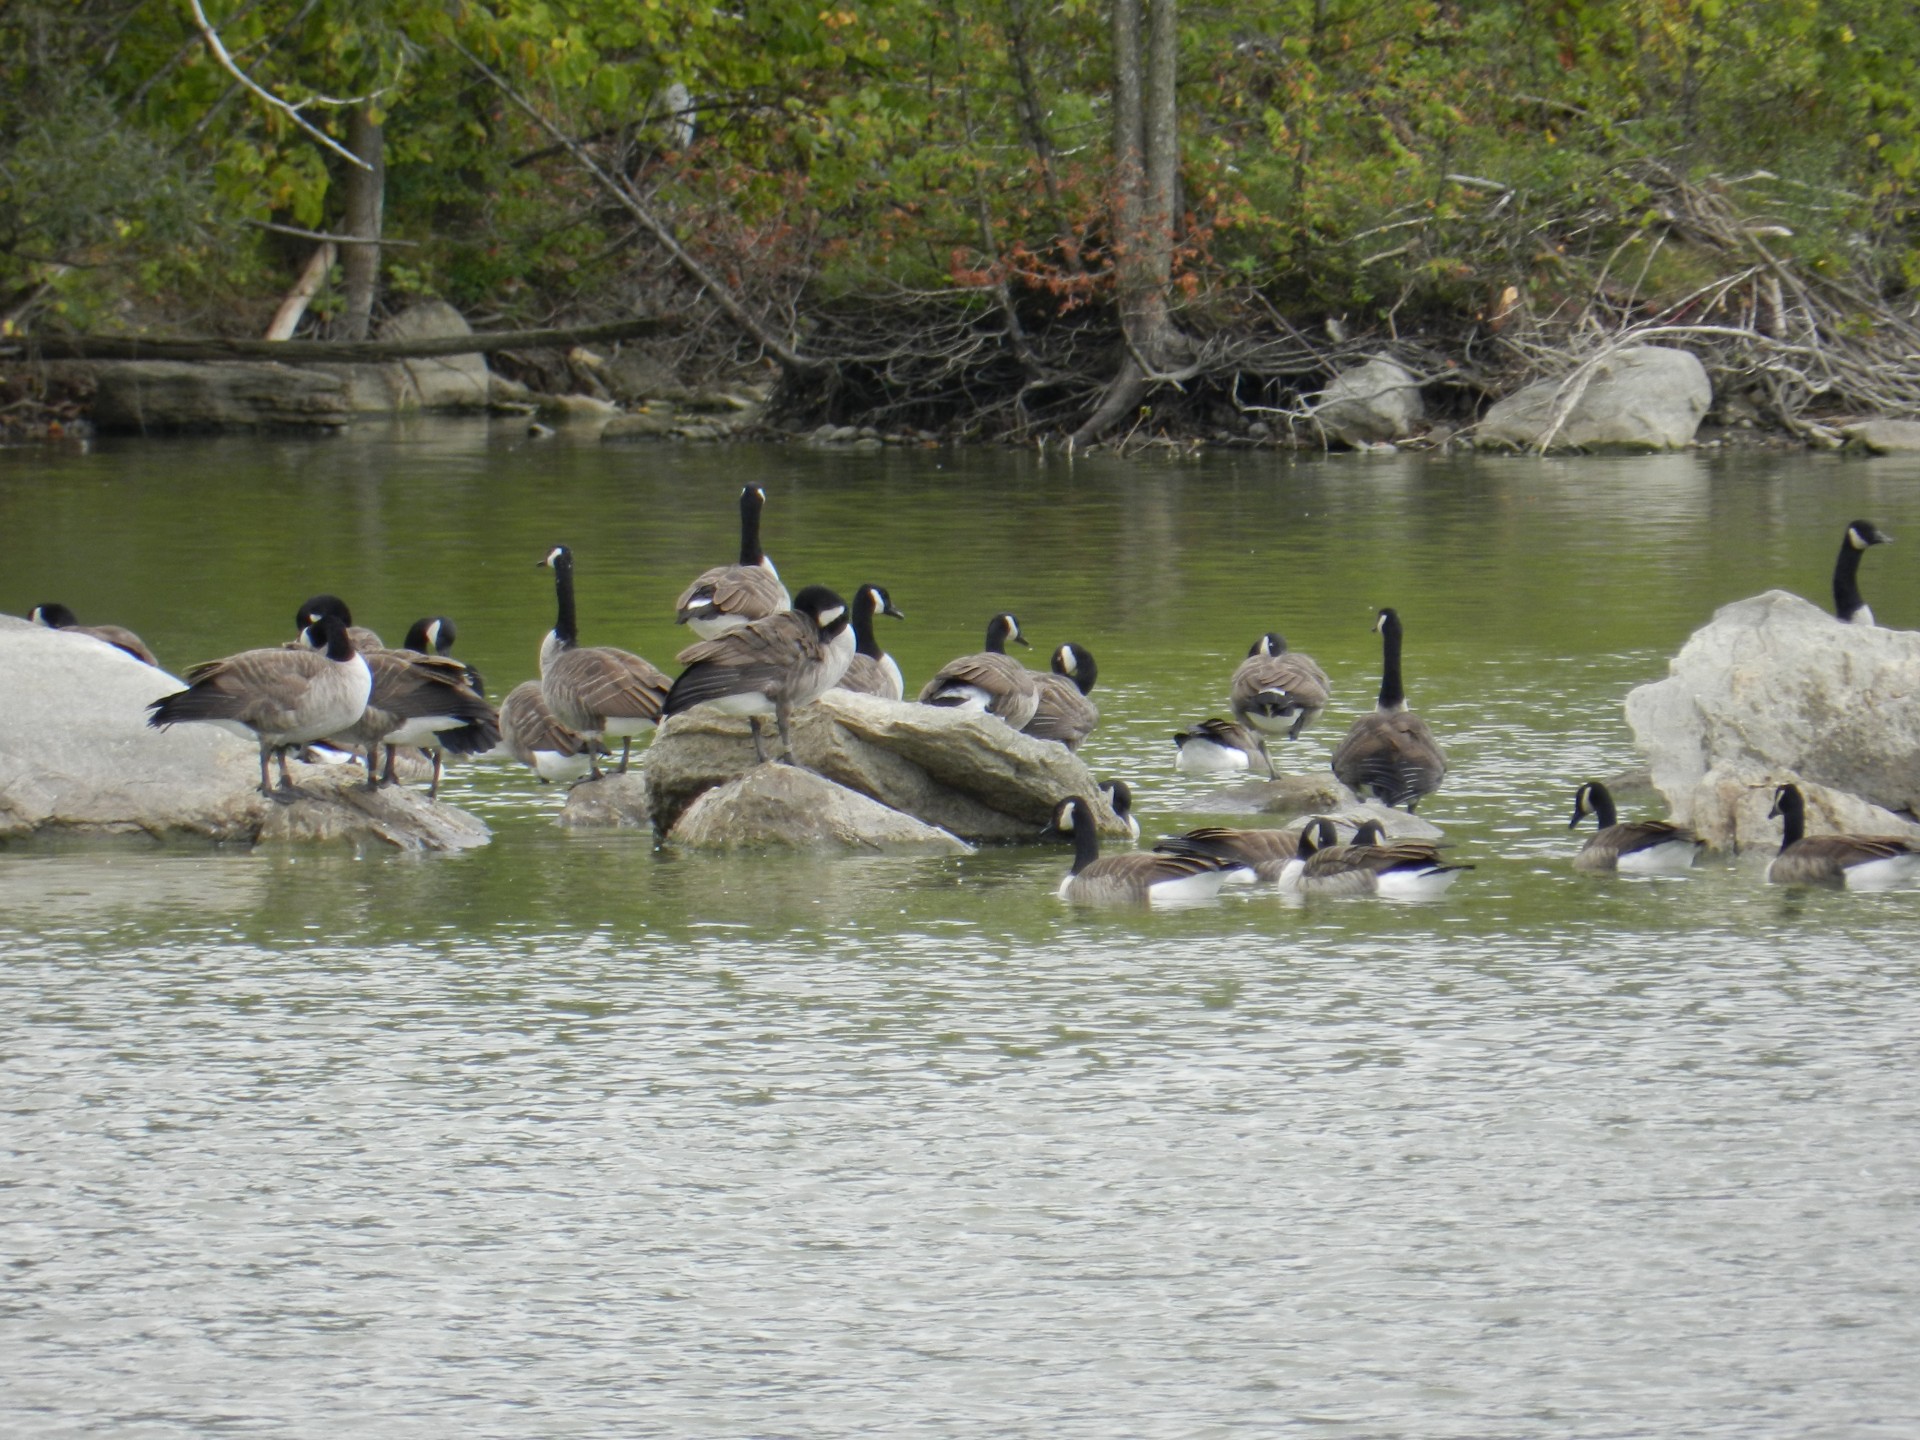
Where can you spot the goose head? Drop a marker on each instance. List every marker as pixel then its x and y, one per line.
pixel 1268 646
pixel 826 609
pixel 1076 664
pixel 1864 534
pixel 432 636
pixel 1002 628
pixel 320 607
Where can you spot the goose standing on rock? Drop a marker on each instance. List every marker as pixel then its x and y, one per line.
pixel 530 734
pixel 1391 752
pixel 1857 862
pixel 1861 536
pixel 1635 847
pixel 422 700
pixel 1214 747
pixel 1277 692
pixel 769 667
pixel 282 698
pixel 1140 875
pixel 729 596
pixel 595 690
pixel 990 681
pixel 872 671
pixel 1064 709
pixel 59 617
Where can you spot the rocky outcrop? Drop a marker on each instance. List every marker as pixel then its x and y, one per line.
pixel 613 802
pixel 77 757
pixel 787 806
pixel 165 396
pixel 435 382
pixel 1645 397
pixel 1884 437
pixel 1729 809
pixel 967 774
pixel 1370 404
pixel 1775 689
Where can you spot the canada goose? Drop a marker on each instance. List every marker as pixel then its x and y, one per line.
pixel 280 697
pixel 1638 847
pixel 316 605
pixel 1315 834
pixel 530 734
pixel 1276 691
pixel 872 671
pixel 1214 747
pixel 436 635
pixel 1244 849
pixel 1858 862
pixel 1063 710
pixel 420 700
pixel 1390 752
pixel 728 596
pixel 1861 536
pixel 1140 875
pixel 769 667
pixel 1404 870
pixel 989 681
pixel 596 689
pixel 1120 797
pixel 59 617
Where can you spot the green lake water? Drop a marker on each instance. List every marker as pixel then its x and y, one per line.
pixel 571 1136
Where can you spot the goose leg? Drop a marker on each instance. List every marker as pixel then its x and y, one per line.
pixel 782 718
pixel 387 777
pixel 1261 741
pixel 759 745
pixel 433 789
pixel 594 771
pixel 626 752
pixel 286 794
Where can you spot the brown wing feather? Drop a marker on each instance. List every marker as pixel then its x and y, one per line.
pixel 749 592
pixel 600 681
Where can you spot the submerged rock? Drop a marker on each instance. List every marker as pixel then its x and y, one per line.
pixel 1370 404
pixel 613 802
pixel 785 805
pixel 1884 437
pixel 965 773
pixel 1645 397
pixel 1775 689
pixel 77 757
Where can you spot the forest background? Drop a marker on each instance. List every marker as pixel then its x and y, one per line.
pixel 1010 220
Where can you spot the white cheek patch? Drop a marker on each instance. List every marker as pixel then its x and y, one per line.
pixel 830 616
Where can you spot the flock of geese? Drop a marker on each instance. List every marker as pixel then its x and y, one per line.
pixel 761 654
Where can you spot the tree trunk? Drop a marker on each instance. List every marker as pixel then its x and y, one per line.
pixel 365 200
pixel 1146 169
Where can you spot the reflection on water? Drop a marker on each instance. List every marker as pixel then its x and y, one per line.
pixel 571 1135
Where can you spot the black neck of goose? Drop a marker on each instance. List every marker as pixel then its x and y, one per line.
pixel 565 625
pixel 1393 693
pixel 1793 819
pixel 996 636
pixel 1847 600
pixel 1601 803
pixel 1086 840
pixel 339 642
pixel 750 502
pixel 863 641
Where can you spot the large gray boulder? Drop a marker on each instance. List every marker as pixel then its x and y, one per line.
pixel 434 382
pixel 77 757
pixel 1645 397
pixel 787 806
pixel 1729 808
pixel 965 773
pixel 1370 404
pixel 613 802
pixel 1774 689
pixel 160 396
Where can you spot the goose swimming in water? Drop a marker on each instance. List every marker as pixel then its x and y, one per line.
pixel 1856 862
pixel 1214 747
pixel 1391 752
pixel 1137 876
pixel 1634 847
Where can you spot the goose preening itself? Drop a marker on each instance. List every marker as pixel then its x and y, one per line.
pixel 990 681
pixel 1120 797
pixel 58 617
pixel 1633 847
pixel 595 690
pixel 1245 852
pixel 282 698
pixel 1390 752
pixel 1215 747
pixel 1062 709
pixel 1277 692
pixel 769 667
pixel 1402 870
pixel 1861 536
pixel 530 734
pixel 872 671
pixel 1139 875
pixel 1857 862
pixel 729 596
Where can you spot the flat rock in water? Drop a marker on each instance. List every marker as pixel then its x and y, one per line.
pixel 1645 397
pixel 77 757
pixel 613 802
pixel 162 396
pixel 1775 689
pixel 966 773
pixel 1884 437
pixel 1314 794
pixel 789 807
